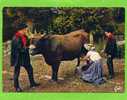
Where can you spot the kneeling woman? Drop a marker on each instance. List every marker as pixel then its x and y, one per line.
pixel 92 72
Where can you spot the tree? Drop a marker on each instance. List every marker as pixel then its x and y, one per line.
pixel 63 20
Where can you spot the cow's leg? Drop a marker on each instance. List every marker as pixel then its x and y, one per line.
pixel 78 63
pixel 78 59
pixel 55 68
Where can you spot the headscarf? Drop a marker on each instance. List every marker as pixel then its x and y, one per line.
pixel 110 36
pixel 22 36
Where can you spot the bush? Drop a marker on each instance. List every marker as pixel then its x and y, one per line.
pixel 64 20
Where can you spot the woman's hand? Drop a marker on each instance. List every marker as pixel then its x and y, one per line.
pixel 109 56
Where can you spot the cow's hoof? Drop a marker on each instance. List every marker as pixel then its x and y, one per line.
pixel 76 72
pixel 52 81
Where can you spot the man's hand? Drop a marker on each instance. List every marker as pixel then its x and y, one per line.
pixel 31 36
pixel 102 51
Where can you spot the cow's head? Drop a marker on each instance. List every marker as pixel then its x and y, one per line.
pixel 38 45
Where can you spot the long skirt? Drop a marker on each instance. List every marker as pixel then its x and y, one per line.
pixel 93 74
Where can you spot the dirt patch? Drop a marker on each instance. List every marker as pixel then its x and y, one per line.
pixel 68 81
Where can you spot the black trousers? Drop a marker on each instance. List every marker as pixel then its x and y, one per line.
pixel 29 70
pixel 110 66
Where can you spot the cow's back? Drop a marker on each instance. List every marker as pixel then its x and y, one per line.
pixel 69 45
pixel 65 47
pixel 73 41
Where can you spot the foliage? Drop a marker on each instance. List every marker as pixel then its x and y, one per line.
pixel 63 20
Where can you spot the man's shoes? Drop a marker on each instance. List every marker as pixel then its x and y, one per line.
pixel 34 85
pixel 18 90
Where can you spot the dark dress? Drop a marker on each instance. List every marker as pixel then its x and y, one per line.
pixel 19 53
pixel 20 57
pixel 111 51
pixel 111 48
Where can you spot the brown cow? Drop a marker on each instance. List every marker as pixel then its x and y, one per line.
pixel 57 48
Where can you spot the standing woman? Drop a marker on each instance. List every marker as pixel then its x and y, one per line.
pixel 20 56
pixel 111 51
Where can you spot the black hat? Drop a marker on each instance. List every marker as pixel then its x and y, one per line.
pixel 21 26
